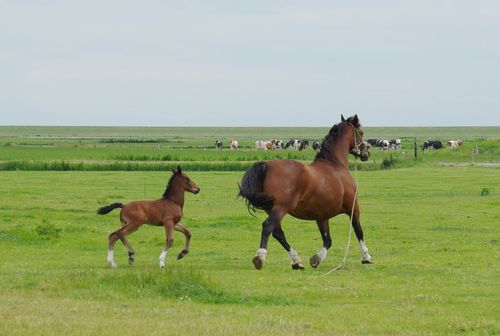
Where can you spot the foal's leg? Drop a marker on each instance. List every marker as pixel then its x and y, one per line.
pixel 279 235
pixel 169 232
pixel 365 256
pixel 122 234
pixel 324 229
pixel 187 233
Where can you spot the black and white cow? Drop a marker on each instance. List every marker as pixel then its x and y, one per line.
pixel 316 146
pixel 381 144
pixel 293 144
pixel 304 143
pixel 278 144
pixel 428 144
pixel 395 143
pixel 218 144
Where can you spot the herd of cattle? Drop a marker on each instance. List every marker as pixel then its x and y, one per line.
pixel 302 144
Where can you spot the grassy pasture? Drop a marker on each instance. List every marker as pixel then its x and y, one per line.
pixel 432 231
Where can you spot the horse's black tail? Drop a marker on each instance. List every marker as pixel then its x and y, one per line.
pixel 251 188
pixel 108 208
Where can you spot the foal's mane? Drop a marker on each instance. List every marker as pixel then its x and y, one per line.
pixel 169 188
pixel 333 135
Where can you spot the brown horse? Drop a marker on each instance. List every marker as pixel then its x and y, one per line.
pixel 317 191
pixel 166 212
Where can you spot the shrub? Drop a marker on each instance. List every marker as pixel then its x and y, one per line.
pixel 485 192
pixel 389 162
pixel 48 230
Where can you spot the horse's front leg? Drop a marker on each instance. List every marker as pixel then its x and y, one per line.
pixel 169 233
pixel 324 229
pixel 187 234
pixel 365 256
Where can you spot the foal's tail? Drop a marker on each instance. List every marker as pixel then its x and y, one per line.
pixel 251 188
pixel 108 208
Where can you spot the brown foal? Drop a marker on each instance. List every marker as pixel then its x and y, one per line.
pixel 166 212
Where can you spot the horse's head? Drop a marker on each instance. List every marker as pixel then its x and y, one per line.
pixel 359 148
pixel 184 181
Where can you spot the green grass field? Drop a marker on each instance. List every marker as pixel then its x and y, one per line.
pixel 431 229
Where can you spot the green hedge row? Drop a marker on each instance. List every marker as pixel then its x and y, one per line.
pixel 147 166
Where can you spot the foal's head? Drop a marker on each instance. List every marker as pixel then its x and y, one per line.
pixel 180 181
pixel 359 148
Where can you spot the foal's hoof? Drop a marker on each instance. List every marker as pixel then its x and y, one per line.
pixel 297 266
pixel 182 254
pixel 367 261
pixel 258 262
pixel 315 260
pixel 131 258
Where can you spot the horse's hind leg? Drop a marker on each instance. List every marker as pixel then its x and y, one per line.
pixel 187 234
pixel 324 229
pixel 268 226
pixel 279 235
pixel 365 256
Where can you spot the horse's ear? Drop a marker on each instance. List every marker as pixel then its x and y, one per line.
pixel 179 171
pixel 342 118
pixel 355 120
pixel 174 171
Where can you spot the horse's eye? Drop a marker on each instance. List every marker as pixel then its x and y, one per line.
pixel 187 179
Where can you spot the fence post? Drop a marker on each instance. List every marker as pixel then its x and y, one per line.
pixel 415 147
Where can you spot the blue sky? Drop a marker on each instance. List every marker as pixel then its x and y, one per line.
pixel 249 63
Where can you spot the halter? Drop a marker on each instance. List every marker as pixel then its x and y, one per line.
pixel 356 143
pixel 358 151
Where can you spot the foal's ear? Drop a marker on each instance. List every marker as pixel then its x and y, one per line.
pixel 342 118
pixel 179 171
pixel 174 171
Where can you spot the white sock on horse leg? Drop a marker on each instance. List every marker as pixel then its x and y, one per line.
pixel 294 256
pixel 262 253
pixel 162 258
pixel 322 253
pixel 111 259
pixel 364 250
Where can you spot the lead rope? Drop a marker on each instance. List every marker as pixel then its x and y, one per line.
pixel 352 213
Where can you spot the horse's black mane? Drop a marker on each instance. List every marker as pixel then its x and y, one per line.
pixel 332 137
pixel 168 189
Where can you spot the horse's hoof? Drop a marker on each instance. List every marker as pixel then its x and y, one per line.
pixel 315 260
pixel 297 266
pixel 113 265
pixel 162 265
pixel 258 262
pixel 182 254
pixel 367 261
